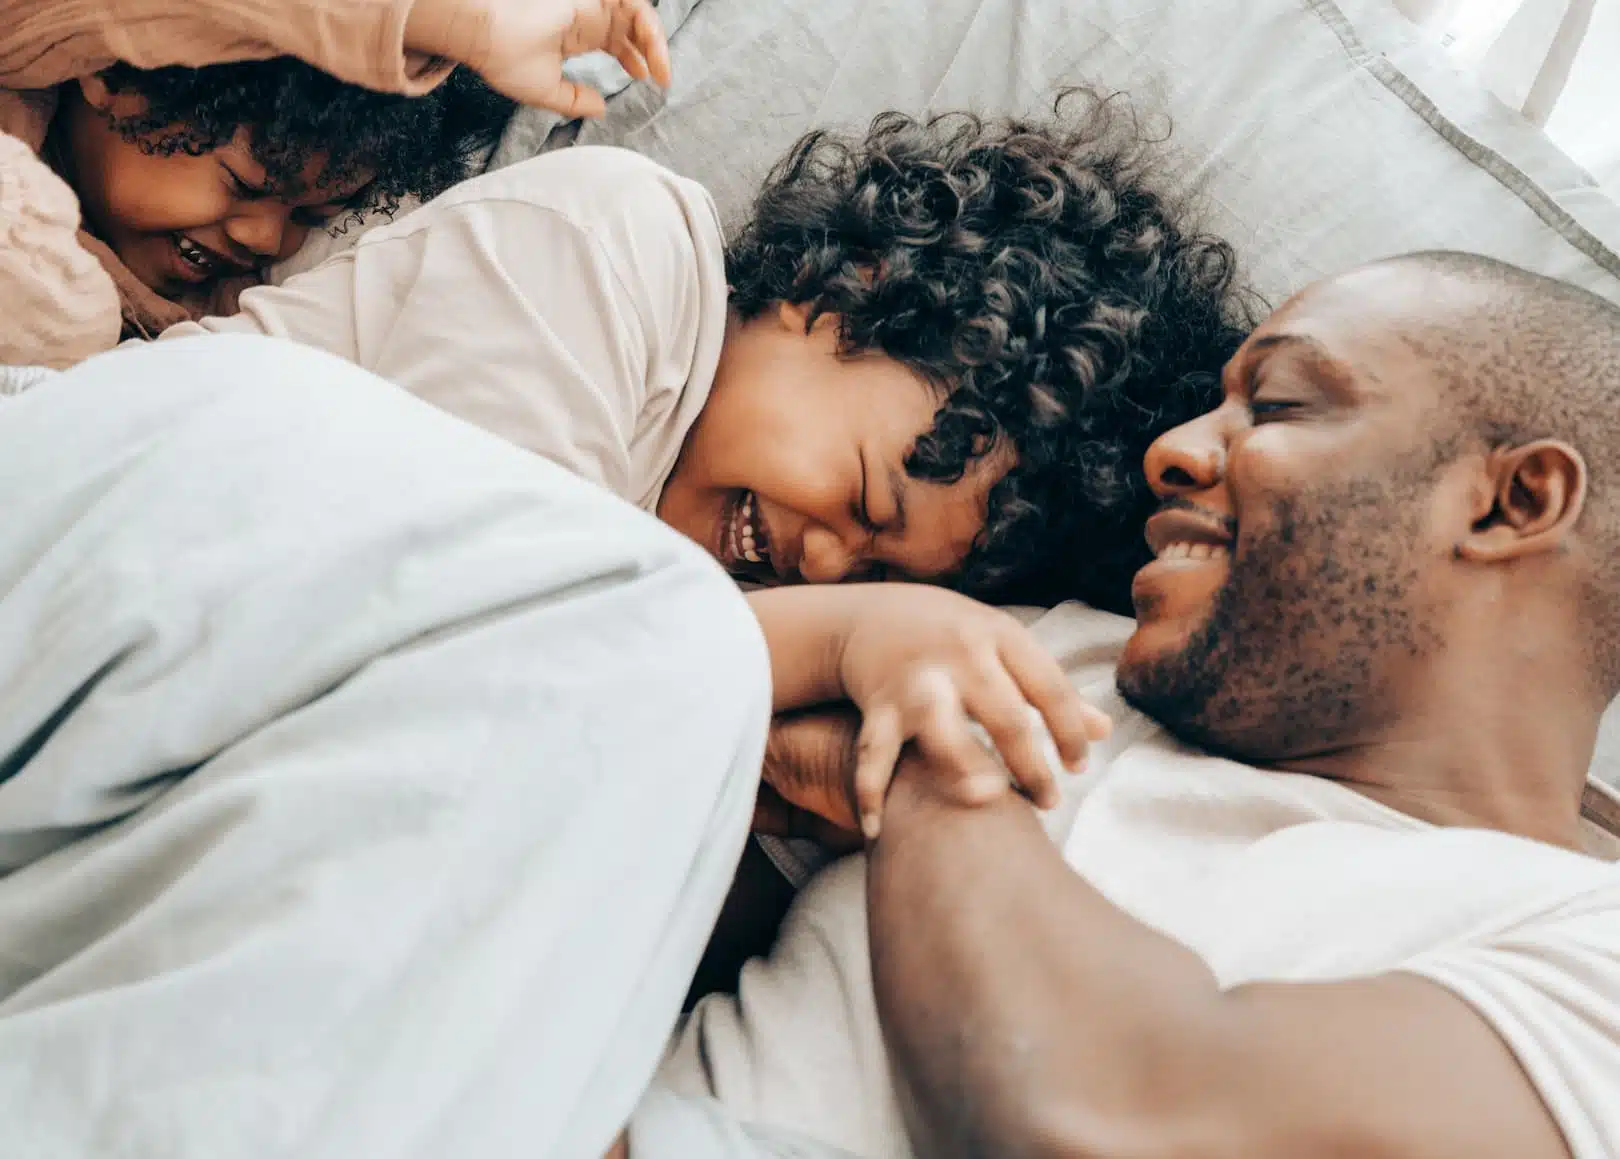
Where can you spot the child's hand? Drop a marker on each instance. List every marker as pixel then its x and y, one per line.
pixel 922 663
pixel 528 40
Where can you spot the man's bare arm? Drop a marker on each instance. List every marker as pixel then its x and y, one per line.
pixel 1030 1018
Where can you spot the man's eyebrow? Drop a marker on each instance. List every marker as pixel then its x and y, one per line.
pixel 1272 341
pixel 1341 375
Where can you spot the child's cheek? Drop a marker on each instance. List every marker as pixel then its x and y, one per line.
pixel 152 194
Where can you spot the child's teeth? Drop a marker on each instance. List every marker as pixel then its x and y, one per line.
pixel 193 253
pixel 746 537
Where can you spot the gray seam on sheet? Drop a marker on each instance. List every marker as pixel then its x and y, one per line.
pixel 1512 178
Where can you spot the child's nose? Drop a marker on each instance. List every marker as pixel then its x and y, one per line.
pixel 261 230
pixel 826 558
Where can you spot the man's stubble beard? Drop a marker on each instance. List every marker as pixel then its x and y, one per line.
pixel 1293 657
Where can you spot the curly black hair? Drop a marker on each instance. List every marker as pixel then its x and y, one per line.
pixel 412 146
pixel 1035 274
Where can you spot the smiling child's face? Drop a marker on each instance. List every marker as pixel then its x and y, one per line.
pixel 795 470
pixel 180 222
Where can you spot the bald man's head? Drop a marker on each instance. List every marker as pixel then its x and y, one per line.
pixel 1527 358
pixel 1416 461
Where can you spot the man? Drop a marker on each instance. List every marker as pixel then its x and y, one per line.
pixel 1387 595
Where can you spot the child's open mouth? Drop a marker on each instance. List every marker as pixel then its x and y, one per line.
pixel 746 540
pixel 197 263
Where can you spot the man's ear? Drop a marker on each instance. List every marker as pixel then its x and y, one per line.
pixel 99 96
pixel 1536 493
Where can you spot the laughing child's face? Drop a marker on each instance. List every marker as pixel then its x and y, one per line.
pixel 179 220
pixel 796 469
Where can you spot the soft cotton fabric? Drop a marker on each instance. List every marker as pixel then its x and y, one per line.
pixel 574 305
pixel 368 787
pixel 667 1126
pixel 1267 876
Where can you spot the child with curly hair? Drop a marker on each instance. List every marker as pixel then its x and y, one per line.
pixel 937 352
pixel 203 139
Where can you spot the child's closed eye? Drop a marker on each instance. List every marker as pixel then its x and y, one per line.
pixel 241 187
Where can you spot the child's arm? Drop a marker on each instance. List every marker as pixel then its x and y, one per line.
pixel 805 628
pixel 46 42
pixel 404 46
pixel 922 664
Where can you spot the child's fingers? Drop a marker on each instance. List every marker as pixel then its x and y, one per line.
pixel 971 773
pixel 877 750
pixel 573 100
pixel 591 30
pixel 647 36
pixel 1001 710
pixel 619 41
pixel 939 721
pixel 1073 723
pixel 629 30
pixel 631 60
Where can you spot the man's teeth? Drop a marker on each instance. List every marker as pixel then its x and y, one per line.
pixel 1194 551
pixel 751 538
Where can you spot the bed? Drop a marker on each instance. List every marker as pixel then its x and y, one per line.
pixel 1313 134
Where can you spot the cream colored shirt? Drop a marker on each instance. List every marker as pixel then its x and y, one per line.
pixel 574 305
pixel 1266 876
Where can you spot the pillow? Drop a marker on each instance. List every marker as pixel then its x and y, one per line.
pixel 1315 134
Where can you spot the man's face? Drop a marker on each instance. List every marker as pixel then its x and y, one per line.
pixel 1302 525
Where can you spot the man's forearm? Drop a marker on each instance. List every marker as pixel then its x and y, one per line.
pixel 1031 1017
pixel 1028 1015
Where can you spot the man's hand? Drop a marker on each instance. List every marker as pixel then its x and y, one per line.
pixel 526 42
pixel 775 817
pixel 809 778
pixel 810 763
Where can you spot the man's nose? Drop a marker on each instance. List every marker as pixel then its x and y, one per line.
pixel 1188 459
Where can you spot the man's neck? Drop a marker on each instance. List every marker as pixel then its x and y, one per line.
pixel 1511 759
